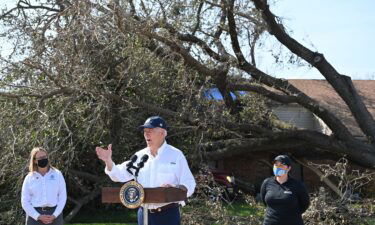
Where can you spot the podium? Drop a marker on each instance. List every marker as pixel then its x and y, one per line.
pixel 151 195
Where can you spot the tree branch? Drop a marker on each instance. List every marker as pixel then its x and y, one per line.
pixel 321 176
pixel 218 33
pixel 29 6
pixel 342 84
pixel 241 147
pixel 233 33
pixel 192 39
pixel 251 19
pixel 293 140
pixel 285 99
pixel 85 175
pixel 79 203
pixel 196 27
pixel 66 91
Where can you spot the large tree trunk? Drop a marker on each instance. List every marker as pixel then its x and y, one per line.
pixel 341 83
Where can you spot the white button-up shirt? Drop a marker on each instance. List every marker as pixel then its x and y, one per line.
pixel 43 191
pixel 169 166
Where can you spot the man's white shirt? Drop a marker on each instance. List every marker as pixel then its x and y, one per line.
pixel 169 166
pixel 43 191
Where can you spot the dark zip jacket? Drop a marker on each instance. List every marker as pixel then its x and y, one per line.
pixel 285 202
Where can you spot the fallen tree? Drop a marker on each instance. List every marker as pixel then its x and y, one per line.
pixel 86 73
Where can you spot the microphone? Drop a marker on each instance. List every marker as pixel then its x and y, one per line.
pixel 143 160
pixel 129 165
pixel 141 164
pixel 132 160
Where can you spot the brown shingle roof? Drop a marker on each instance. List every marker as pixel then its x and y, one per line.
pixel 322 91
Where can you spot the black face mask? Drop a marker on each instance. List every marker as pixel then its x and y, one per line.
pixel 42 163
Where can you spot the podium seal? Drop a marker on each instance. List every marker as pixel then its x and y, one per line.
pixel 132 194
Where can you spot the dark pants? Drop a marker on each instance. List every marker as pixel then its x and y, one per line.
pixel 169 216
pixel 58 221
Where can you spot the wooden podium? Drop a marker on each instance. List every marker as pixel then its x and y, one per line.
pixel 152 195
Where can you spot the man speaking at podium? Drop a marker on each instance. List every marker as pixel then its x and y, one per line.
pixel 165 166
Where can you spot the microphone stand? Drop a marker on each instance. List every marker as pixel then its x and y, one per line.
pixel 145 206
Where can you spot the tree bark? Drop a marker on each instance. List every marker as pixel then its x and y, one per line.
pixel 293 142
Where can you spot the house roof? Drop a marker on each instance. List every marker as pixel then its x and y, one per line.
pixel 321 91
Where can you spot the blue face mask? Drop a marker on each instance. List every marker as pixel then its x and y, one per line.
pixel 279 171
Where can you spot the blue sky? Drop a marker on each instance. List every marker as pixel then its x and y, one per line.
pixel 343 30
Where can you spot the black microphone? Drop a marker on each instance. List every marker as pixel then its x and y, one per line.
pixel 143 160
pixel 129 165
pixel 132 160
pixel 141 164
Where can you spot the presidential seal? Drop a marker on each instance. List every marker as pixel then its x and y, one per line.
pixel 132 194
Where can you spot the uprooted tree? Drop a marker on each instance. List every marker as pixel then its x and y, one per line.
pixel 83 72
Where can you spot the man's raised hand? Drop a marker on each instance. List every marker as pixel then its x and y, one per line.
pixel 104 154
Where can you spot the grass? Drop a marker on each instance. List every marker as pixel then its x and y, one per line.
pixel 119 217
pixel 129 217
pixel 243 210
pixel 106 217
pixel 103 223
pixel 368 222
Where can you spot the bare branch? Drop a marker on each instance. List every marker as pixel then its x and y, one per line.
pixel 85 175
pixel 286 99
pixel 321 175
pixel 198 18
pixel 79 203
pixel 192 39
pixel 29 6
pixel 233 33
pixel 251 19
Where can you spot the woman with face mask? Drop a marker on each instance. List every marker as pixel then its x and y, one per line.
pixel 43 194
pixel 285 198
